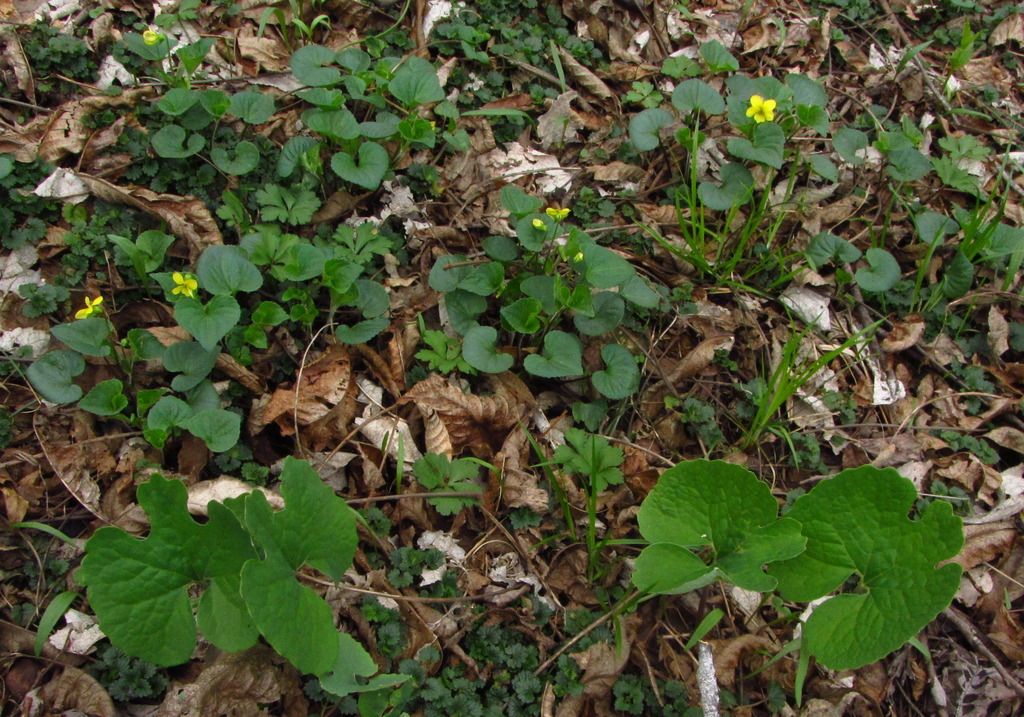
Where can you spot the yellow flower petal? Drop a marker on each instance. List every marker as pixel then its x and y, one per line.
pixel 538 223
pixel 151 37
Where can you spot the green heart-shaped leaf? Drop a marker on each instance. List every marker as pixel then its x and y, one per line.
pixel 225 269
pixel 416 83
pixel 105 399
pixel 609 308
pixel 697 95
pixel 856 524
pixel 252 107
pixel 337 125
pixel 192 361
pixel 169 142
pixel 308 66
pixel 620 377
pixel 766 147
pixel 368 172
pixel 826 247
pixel 699 505
pixel 562 357
pixel 217 428
pixel 177 101
pixel 51 375
pixel 246 159
pixel 362 331
pixel 210 322
pixel 523 315
pixel 479 348
pixel 882 274
pixel 645 128
pixel 86 336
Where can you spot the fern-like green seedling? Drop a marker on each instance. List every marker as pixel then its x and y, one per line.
pixel 245 556
pixel 715 510
pixel 856 524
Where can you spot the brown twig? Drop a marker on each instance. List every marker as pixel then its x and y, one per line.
pixel 968 630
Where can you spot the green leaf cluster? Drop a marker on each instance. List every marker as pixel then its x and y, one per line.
pixel 243 559
pixel 708 520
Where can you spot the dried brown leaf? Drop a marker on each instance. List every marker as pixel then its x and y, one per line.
pixel 904 335
pixel 187 217
pixel 619 172
pixel 66 132
pixel 586 79
pixel 264 52
pixel 323 384
pixel 435 435
pixel 1011 29
pixel 1007 437
pixel 519 488
pixel 559 125
pixel 998 332
pixel 87 467
pixel 731 651
pixel 474 423
pixel 240 684
pixel 74 689
pixel 220 489
pixel 14 56
pixel 985 542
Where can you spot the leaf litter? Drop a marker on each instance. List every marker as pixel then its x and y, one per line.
pixel 910 404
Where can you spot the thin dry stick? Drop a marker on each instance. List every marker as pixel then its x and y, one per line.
pixel 707 682
pixel 298 387
pixel 966 629
pixel 586 631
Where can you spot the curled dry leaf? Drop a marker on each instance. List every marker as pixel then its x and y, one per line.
pixel 323 384
pixel 87 468
pixel 586 79
pixel 389 434
pixel 985 542
pixel 435 435
pixel 519 488
pixel 241 684
pixel 65 131
pixel 72 690
pixel 14 57
pixel 220 489
pixel 187 217
pixel 904 335
pixel 730 652
pixel 474 423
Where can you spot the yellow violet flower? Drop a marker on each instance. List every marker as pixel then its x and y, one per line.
pixel 538 223
pixel 760 109
pixel 184 284
pixel 92 307
pixel 557 214
pixel 151 37
pixel 578 258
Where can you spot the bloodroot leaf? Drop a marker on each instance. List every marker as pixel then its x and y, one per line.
pixel 315 528
pixel 139 588
pixel 856 524
pixel 700 505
